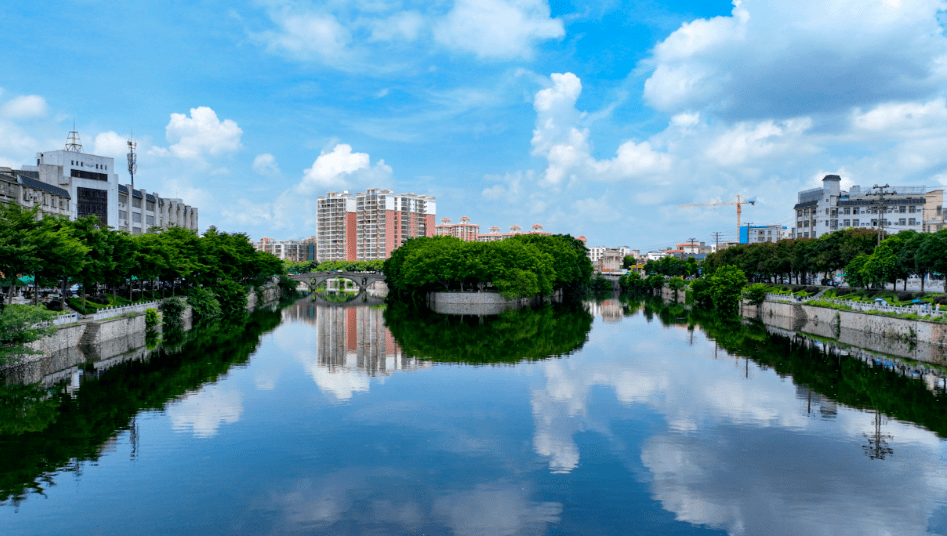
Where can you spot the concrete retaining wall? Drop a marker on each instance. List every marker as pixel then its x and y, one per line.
pixel 480 303
pixel 914 339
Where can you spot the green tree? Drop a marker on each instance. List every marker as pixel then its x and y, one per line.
pixel 21 325
pixel 726 287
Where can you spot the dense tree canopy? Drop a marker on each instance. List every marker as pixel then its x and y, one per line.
pixel 56 250
pixel 525 265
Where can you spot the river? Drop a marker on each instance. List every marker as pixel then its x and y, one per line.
pixel 609 417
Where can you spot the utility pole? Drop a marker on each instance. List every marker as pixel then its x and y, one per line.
pixel 716 237
pixel 881 193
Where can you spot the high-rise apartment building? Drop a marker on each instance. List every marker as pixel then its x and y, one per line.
pixel 464 230
pixel 370 225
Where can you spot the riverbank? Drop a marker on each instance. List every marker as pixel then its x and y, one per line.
pixel 96 340
pixel 916 339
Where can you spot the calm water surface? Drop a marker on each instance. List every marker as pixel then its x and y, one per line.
pixel 608 419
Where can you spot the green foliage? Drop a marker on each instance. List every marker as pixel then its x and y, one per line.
pixel 726 286
pixel 676 283
pixel 232 297
pixel 601 284
pixel 756 293
pixel 524 334
pixel 287 286
pixel 18 327
pixel 25 408
pixel 172 310
pixel 525 265
pixel 654 282
pixel 631 282
pixel 76 303
pixel 151 318
pixel 349 266
pixel 203 303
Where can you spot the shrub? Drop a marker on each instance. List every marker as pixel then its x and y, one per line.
pixel 76 303
pixel 203 303
pixel 172 309
pixel 676 283
pixel 905 296
pixel 843 291
pixel 631 282
pixel 232 297
pixel 287 286
pixel 756 293
pixel 600 284
pixel 941 300
pixel 655 282
pixel 798 288
pixel 702 295
pixel 151 318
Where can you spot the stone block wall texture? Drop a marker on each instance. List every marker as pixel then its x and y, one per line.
pixel 914 339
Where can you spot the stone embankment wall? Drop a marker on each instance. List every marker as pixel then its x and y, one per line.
pixel 672 295
pixel 914 339
pixel 104 339
pixel 481 303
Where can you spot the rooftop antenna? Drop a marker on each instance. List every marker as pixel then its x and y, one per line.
pixel 73 144
pixel 132 160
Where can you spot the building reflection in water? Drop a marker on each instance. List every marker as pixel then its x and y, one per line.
pixel 353 338
pixel 609 310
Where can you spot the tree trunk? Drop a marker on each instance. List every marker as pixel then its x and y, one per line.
pixel 922 281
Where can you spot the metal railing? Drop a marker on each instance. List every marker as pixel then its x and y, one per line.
pixel 112 312
pixel 920 309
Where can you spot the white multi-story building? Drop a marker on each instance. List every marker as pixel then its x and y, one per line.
pixel 94 190
pixel 289 250
pixel 820 211
pixel 753 234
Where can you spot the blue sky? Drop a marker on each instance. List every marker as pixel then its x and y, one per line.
pixel 591 118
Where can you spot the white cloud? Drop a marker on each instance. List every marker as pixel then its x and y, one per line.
pixel 110 144
pixel 406 26
pixel 203 412
pixel 308 36
pixel 200 135
pixel 340 168
pixel 25 107
pixel 265 164
pixel 785 58
pixel 501 29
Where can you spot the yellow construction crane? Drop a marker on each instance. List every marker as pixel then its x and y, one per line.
pixel 738 203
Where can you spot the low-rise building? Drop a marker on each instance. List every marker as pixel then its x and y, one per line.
pixel 19 188
pixel 754 234
pixel 289 250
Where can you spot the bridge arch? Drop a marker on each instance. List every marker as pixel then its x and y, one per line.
pixel 362 280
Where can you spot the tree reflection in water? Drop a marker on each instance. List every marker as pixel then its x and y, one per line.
pixel 47 430
pixel 823 368
pixel 517 335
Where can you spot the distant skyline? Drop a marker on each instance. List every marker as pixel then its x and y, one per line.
pixel 594 118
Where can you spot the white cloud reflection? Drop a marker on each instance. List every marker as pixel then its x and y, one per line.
pixel 204 411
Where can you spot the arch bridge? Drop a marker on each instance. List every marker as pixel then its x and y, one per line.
pixel 362 280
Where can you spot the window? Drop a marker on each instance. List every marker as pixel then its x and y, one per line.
pixel 136 230
pixel 912 221
pixel 136 202
pixel 854 223
pixel 846 223
pixel 902 221
pixel 136 217
pixel 79 174
pixel 847 210
pixel 912 209
pixel 902 209
pixel 92 202
pixel 150 205
pixel 123 198
pixel 150 220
